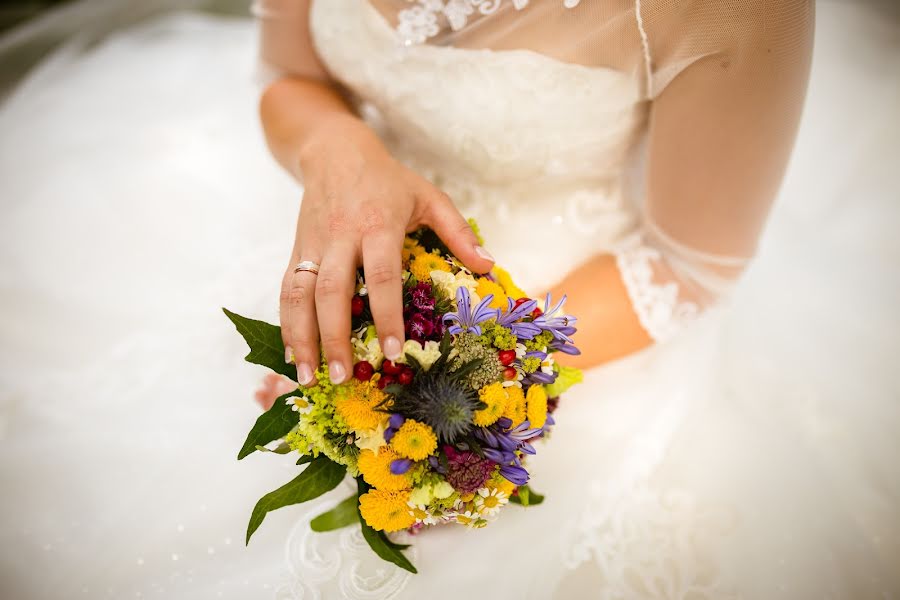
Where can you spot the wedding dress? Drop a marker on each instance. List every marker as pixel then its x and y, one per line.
pixel 750 453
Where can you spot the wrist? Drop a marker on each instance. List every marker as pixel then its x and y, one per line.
pixel 335 135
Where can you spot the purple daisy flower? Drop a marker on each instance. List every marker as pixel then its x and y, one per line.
pixel 513 314
pixel 560 326
pixel 465 318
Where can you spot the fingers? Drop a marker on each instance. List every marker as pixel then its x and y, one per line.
pixel 334 289
pixel 382 265
pixel 299 328
pixel 442 216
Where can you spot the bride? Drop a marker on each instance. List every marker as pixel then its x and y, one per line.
pixel 728 440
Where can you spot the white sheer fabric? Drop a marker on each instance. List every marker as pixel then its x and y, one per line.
pixel 705 196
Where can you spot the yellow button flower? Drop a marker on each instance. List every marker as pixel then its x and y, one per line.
pixel 537 406
pixel 386 511
pixel 414 440
pixel 376 470
pixel 422 266
pixel 496 398
pixel 486 286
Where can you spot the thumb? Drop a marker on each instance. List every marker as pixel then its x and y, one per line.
pixel 442 216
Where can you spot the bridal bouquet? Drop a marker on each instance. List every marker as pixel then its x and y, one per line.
pixel 439 436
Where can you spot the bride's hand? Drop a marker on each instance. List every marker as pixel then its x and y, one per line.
pixel 358 204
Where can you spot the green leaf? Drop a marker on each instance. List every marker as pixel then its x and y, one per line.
pixel 271 425
pixel 526 497
pixel 414 363
pixel 282 448
pixel 340 516
pixel 306 458
pixel 266 346
pixel 565 378
pixel 322 475
pixel 379 542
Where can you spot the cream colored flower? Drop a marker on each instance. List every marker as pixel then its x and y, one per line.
pixel 371 439
pixel 426 355
pixel 449 283
pixel 368 351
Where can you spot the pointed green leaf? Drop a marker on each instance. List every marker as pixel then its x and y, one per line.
pixel 266 346
pixel 306 458
pixel 322 475
pixel 379 542
pixel 282 448
pixel 566 377
pixel 340 516
pixel 271 425
pixel 526 497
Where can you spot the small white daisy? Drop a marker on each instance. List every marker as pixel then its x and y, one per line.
pixel 422 515
pixel 489 501
pixel 299 404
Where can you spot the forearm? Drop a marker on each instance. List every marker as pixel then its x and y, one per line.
pixel 291 109
pixel 608 327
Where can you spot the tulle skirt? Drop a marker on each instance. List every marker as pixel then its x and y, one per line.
pixel 755 456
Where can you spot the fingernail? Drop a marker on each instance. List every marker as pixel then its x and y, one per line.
pixel 336 372
pixel 288 354
pixel 480 251
pixel 392 348
pixel 304 374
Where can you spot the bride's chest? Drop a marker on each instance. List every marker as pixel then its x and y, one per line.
pixel 502 114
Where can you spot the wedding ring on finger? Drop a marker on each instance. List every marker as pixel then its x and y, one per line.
pixel 307 265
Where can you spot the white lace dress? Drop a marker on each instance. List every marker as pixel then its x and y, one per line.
pixel 751 453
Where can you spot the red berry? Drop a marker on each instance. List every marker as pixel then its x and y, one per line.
pixel 507 357
pixel 363 370
pixel 509 373
pixel 536 313
pixel 392 368
pixel 386 381
pixel 357 305
pixel 520 301
pixel 406 376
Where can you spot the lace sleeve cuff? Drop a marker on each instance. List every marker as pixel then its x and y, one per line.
pixel 657 304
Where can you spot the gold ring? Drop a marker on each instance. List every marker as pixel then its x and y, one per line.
pixel 307 265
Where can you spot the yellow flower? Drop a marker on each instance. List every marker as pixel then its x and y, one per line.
pixel 537 406
pixel 515 406
pixel 506 282
pixel 376 470
pixel 486 286
pixel 496 398
pixel 414 440
pixel 386 511
pixel 356 402
pixel 411 249
pixel 424 264
pixel 503 484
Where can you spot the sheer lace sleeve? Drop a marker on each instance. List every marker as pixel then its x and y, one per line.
pixel 733 81
pixel 285 46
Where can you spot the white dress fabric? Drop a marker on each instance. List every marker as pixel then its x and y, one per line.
pixel 753 455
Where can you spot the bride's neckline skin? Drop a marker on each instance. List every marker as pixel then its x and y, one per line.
pixel 618 58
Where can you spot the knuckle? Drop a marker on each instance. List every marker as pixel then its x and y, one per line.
pixel 333 342
pixel 337 222
pixel 381 274
pixel 328 285
pixel 295 296
pixel 371 220
pixel 304 342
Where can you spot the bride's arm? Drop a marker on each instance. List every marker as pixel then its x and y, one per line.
pixel 720 135
pixel 358 202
